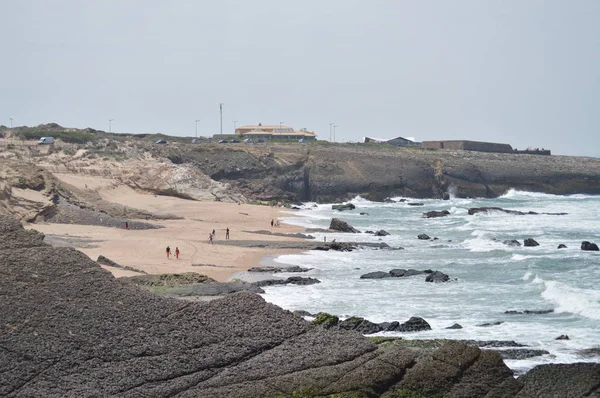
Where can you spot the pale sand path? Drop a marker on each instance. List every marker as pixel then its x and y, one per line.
pixel 145 249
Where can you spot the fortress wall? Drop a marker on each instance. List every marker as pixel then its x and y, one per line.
pixel 468 146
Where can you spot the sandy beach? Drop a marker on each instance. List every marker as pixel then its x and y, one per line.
pixel 145 249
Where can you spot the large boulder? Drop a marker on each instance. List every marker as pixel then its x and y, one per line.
pixel 512 242
pixel 530 242
pixel 376 275
pixel 585 245
pixel 414 324
pixel 437 277
pixel 342 207
pixel 561 380
pixel 423 237
pixel 381 232
pixel 342 226
pixel 360 325
pixel 436 214
pixel 400 272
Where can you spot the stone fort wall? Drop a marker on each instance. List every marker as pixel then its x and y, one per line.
pixel 468 146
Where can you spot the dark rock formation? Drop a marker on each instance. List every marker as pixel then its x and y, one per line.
pixel 274 270
pixel 302 313
pixel 574 380
pixel 414 324
pixel 364 213
pixel 435 214
pixel 346 206
pixel 169 280
pixel 400 272
pixel 529 312
pixel 342 226
pixel 562 246
pixel 423 237
pixel 585 245
pixel 381 232
pixel 360 325
pixel 512 242
pixel 455 326
pixel 437 277
pixel 488 324
pixel 416 204
pixel 530 242
pixel 562 337
pixel 376 275
pixel 293 280
pixel 342 246
pixel 476 210
pixel 590 352
pixel 521 353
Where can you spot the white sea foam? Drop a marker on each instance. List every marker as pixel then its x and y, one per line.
pixel 584 302
pixel 527 276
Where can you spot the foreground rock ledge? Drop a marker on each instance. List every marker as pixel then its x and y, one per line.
pixel 68 328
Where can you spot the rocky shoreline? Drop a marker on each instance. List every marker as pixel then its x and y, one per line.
pixel 70 328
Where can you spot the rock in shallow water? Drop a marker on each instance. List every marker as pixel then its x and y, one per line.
pixel 588 246
pixel 342 226
pixel 437 277
pixel 530 242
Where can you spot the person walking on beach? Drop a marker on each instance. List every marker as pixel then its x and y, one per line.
pixel 227 233
pixel 210 238
pixel 126 224
pixel 168 252
pixel 272 222
pixel 177 253
pixel 213 233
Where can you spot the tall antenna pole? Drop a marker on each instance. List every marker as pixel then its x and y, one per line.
pixel 197 127
pixel 110 125
pixel 334 126
pixel 221 113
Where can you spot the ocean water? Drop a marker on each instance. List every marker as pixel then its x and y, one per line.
pixel 491 277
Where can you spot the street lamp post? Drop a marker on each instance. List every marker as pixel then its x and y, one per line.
pixel 221 113
pixel 334 127
pixel 110 125
pixel 280 123
pixel 330 129
pixel 197 120
pixel 234 124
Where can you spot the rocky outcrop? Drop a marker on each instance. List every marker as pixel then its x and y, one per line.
pixel 562 246
pixel 345 206
pixel 437 277
pixel 381 232
pixel 275 270
pixel 376 275
pixel 436 214
pixel 108 262
pixel 486 210
pixel 293 280
pixel 342 226
pixel 530 242
pixel 71 329
pixel 588 246
pixel 512 242
pixel 423 237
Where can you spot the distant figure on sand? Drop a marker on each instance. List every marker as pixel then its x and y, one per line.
pixel 227 233
pixel 168 251
pixel 210 238
pixel 126 224
pixel 177 253
pixel 213 233
pixel 272 222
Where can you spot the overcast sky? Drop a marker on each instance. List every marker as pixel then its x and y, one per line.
pixel 522 72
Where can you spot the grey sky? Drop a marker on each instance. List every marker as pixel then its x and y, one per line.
pixel 522 72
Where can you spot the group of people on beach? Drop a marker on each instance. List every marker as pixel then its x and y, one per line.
pixel 211 237
pixel 274 222
pixel 176 252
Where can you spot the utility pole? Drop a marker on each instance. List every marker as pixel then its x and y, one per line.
pixel 197 120
pixel 221 113
pixel 334 127
pixel 11 122
pixel 330 128
pixel 280 123
pixel 110 125
pixel 234 123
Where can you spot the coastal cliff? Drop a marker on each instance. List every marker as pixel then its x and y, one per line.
pixel 70 329
pixel 331 172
